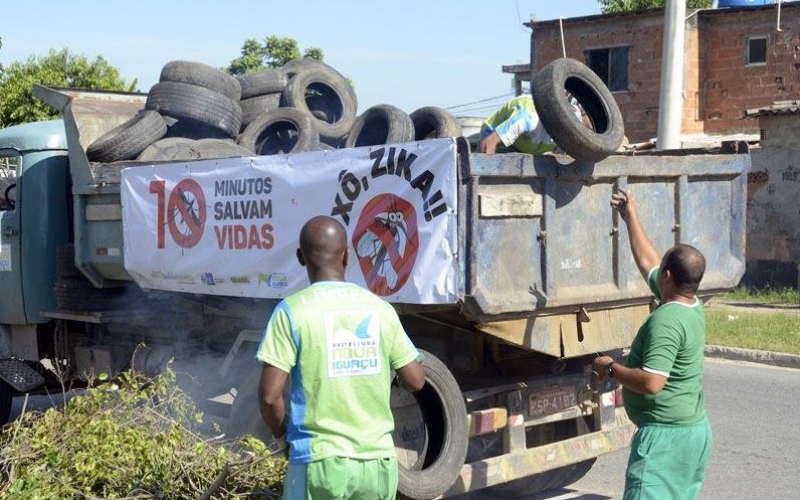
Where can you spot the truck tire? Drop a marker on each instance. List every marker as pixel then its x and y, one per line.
pixel 6 400
pixel 176 148
pixel 254 108
pixel 245 417
pixel 282 131
pixel 127 140
pixel 65 262
pixel 78 294
pixel 381 124
pixel 444 416
pixel 432 122
pixel 202 75
pixel 184 100
pixel 323 89
pixel 557 115
pixel 268 81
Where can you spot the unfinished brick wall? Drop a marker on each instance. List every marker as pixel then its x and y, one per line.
pixel 732 86
pixel 718 86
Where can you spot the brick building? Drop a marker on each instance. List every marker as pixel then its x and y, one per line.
pixel 736 59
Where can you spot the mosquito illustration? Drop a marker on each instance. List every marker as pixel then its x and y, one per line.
pixel 371 246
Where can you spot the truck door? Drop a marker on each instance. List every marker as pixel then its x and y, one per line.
pixel 12 310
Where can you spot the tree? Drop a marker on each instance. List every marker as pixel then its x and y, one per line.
pixel 57 69
pixel 612 6
pixel 274 53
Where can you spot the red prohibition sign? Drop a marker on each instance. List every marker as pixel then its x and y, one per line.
pixel 386 243
pixel 187 207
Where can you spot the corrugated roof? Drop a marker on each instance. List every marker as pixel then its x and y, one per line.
pixel 777 108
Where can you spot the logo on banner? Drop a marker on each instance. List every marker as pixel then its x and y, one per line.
pixel 386 242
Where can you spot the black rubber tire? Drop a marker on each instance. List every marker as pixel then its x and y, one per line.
pixel 78 294
pixel 546 481
pixel 126 141
pixel 282 131
pixel 268 81
pixel 245 417
pixel 186 128
pixel 323 89
pixel 295 66
pixel 254 108
pixel 65 262
pixel 176 148
pixel 445 418
pixel 432 122
pixel 184 100
pixel 202 75
pixel 558 117
pixel 6 400
pixel 381 124
pixel 11 202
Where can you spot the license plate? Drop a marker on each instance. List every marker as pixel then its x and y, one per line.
pixel 551 401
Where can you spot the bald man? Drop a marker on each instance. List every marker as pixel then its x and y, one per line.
pixel 340 344
pixel 662 378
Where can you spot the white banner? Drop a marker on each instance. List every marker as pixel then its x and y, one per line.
pixel 231 226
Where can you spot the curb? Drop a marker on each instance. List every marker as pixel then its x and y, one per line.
pixel 753 356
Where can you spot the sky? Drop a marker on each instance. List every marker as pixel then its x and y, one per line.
pixel 408 54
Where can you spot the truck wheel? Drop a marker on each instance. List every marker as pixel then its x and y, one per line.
pixel 126 141
pixel 321 88
pixel 443 446
pixel 65 262
pixel 6 401
pixel 268 81
pixel 282 131
pixel 558 117
pixel 245 417
pixel 381 124
pixel 254 108
pixel 184 100
pixel 432 122
pixel 11 201
pixel 202 75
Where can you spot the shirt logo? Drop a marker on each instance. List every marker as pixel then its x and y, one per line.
pixel 353 344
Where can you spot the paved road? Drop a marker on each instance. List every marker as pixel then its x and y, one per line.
pixel 754 411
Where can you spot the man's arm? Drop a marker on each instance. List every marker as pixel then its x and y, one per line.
pixel 489 144
pixel 634 379
pixel 412 376
pixel 270 400
pixel 644 253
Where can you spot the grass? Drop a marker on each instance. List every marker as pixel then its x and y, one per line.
pixel 765 330
pixel 764 296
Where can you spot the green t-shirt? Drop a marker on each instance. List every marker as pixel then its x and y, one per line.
pixel 339 343
pixel 670 343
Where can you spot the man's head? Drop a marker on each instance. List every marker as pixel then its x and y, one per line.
pixel 684 266
pixel 323 249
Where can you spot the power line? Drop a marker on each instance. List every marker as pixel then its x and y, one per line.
pixel 508 94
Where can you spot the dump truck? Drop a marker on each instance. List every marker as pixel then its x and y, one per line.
pixel 511 272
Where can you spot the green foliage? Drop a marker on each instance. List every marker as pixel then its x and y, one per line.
pixel 57 69
pixel 130 437
pixel 273 53
pixel 612 6
pixel 768 295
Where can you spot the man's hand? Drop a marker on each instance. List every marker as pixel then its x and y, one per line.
pixel 599 366
pixel 625 203
pixel 489 144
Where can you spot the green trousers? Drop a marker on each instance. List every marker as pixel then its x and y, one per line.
pixel 339 478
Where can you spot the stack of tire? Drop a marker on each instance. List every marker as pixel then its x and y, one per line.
pixel 196 111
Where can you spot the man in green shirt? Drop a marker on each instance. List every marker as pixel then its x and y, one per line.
pixel 662 378
pixel 340 344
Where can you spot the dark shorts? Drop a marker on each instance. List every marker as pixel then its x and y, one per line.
pixel 668 462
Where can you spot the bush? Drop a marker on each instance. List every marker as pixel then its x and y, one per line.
pixel 132 437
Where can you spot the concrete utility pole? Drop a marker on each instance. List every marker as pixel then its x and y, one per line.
pixel 670 104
